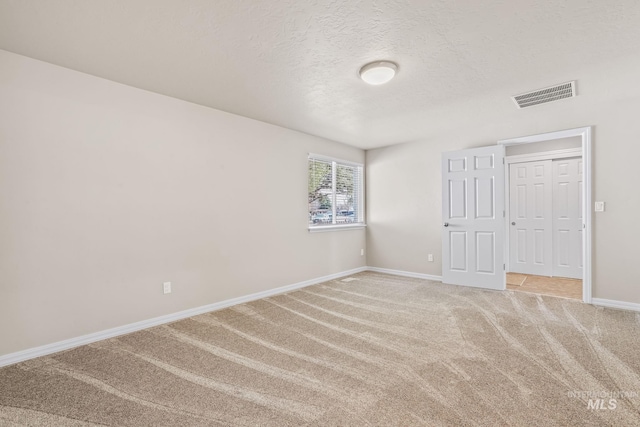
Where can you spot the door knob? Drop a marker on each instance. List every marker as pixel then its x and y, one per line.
pixel 446 224
pixel 513 223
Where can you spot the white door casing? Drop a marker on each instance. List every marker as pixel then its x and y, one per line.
pixel 585 135
pixel 567 218
pixel 472 213
pixel 531 219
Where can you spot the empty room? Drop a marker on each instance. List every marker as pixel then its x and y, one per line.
pixel 301 213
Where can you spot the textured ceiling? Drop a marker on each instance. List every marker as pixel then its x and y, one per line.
pixel 294 63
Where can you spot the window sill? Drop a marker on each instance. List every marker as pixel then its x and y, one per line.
pixel 336 227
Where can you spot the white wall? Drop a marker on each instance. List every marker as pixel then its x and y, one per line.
pixel 542 146
pixel 106 191
pixel 404 181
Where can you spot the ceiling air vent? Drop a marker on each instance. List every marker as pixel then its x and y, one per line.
pixel 549 94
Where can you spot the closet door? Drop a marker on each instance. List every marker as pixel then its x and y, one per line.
pixel 567 218
pixel 530 222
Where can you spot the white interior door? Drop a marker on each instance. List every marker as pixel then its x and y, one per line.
pixel 567 218
pixel 530 222
pixel 473 221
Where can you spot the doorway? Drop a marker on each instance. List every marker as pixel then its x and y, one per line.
pixel 549 253
pixel 544 219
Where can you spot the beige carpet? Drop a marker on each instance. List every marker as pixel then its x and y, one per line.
pixel 379 350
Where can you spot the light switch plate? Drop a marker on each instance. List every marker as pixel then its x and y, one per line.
pixel 599 206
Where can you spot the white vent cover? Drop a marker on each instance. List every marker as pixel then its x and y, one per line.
pixel 548 94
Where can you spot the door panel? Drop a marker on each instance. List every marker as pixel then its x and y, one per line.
pixel 484 190
pixel 522 246
pixel 530 218
pixel 564 248
pixel 484 162
pixel 458 165
pixel 567 218
pixel 538 244
pixel 521 201
pixel 472 203
pixel 458 198
pixel 459 250
pixel 485 252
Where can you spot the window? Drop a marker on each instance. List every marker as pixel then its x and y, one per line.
pixel 336 196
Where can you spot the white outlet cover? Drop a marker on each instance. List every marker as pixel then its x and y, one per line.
pixel 166 287
pixel 599 206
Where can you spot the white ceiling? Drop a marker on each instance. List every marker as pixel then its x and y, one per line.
pixel 294 63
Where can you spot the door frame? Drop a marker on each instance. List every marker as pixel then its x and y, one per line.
pixel 585 134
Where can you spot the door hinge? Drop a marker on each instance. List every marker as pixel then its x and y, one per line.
pixel 503 214
pixel 504 267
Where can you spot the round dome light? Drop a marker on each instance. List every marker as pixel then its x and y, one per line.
pixel 379 72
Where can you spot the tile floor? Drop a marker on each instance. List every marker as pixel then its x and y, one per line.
pixel 554 286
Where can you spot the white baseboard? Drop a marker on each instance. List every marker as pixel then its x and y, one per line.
pixel 405 273
pixel 20 356
pixel 622 305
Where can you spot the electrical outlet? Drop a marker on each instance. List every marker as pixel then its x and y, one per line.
pixel 361 252
pixel 430 257
pixel 166 287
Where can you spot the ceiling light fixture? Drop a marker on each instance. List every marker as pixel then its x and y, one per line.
pixel 378 72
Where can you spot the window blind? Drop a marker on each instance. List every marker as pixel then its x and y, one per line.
pixel 336 195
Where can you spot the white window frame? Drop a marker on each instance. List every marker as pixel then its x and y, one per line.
pixel 360 221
